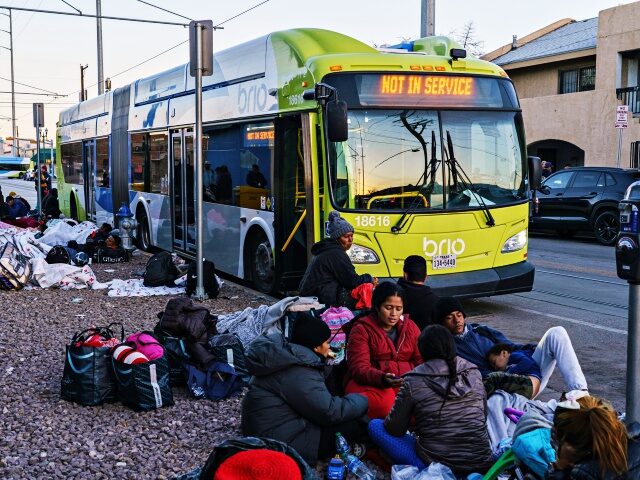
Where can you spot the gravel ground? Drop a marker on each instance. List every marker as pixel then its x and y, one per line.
pixel 44 437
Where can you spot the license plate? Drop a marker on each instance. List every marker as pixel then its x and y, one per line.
pixel 440 262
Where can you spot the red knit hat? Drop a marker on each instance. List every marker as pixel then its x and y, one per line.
pixel 259 463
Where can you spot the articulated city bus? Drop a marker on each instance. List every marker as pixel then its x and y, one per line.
pixel 13 167
pixel 434 162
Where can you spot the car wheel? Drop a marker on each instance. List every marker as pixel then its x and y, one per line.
pixel 261 257
pixel 606 227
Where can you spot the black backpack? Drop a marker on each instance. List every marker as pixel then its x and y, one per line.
pixel 160 271
pixel 58 254
pixel 209 280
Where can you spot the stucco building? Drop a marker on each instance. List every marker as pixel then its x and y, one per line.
pixel 570 77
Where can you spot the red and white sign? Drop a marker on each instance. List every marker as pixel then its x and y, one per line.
pixel 622 116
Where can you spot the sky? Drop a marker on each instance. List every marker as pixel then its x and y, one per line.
pixel 49 49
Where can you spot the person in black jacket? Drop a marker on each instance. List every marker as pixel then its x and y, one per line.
pixel 51 205
pixel 330 275
pixel 420 299
pixel 288 399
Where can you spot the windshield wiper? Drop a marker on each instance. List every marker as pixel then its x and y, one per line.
pixel 458 174
pixel 434 164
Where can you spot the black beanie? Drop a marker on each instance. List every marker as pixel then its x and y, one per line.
pixel 309 331
pixel 445 306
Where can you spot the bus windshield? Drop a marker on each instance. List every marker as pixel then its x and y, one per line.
pixel 428 159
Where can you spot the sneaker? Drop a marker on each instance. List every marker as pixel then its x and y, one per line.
pixel 358 449
pixel 574 394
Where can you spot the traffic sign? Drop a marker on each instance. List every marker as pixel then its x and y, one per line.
pixel 622 116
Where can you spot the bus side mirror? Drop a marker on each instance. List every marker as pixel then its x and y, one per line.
pixel 535 172
pixel 337 128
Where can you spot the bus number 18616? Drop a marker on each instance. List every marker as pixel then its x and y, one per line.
pixel 373 221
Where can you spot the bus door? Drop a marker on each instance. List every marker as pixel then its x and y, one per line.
pixel 88 173
pixel 183 190
pixel 292 179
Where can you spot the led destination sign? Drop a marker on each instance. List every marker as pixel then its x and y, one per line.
pixel 424 90
pixel 423 85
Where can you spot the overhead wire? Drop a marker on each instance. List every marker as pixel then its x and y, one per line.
pixel 163 9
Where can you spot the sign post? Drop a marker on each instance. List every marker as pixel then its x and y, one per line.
pixel 200 63
pixel 38 121
pixel 622 122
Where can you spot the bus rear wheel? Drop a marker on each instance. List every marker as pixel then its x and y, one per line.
pixel 73 208
pixel 143 233
pixel 261 258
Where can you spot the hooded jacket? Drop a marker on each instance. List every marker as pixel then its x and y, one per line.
pixel 371 353
pixel 288 399
pixel 330 269
pixel 420 302
pixel 457 436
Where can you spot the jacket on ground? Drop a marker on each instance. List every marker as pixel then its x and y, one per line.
pixel 288 399
pixel 455 436
pixel 330 269
pixel 371 353
pixel 420 302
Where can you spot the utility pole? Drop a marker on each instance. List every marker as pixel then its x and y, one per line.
pixel 428 18
pixel 82 69
pixel 14 151
pixel 99 25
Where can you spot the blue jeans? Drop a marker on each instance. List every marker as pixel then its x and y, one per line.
pixel 401 450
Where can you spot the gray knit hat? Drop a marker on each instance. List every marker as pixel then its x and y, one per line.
pixel 338 226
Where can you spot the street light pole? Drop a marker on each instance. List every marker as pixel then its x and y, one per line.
pixel 14 149
pixel 99 25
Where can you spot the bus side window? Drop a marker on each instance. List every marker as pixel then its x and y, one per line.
pixel 158 163
pixel 221 149
pixel 71 154
pixel 102 161
pixel 138 157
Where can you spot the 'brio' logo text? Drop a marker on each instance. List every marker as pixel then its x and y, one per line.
pixel 446 246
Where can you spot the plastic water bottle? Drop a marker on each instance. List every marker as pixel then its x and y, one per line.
pixel 358 469
pixel 342 446
pixel 474 476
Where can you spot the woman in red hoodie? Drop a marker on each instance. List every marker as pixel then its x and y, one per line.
pixel 382 347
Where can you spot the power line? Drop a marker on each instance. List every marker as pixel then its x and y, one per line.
pixel 125 19
pixel 31 86
pixel 241 13
pixel 30 93
pixel 163 9
pixel 68 4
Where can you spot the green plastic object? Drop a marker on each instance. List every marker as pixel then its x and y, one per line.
pixel 506 460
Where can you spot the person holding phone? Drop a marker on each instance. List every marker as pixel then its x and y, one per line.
pixel 381 348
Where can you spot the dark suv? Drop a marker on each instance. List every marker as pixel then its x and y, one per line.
pixel 583 199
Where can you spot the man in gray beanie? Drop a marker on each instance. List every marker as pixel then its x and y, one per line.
pixel 330 275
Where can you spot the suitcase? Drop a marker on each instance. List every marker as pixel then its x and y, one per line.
pixel 15 268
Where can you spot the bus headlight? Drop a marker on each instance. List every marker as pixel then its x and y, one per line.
pixel 360 254
pixel 516 242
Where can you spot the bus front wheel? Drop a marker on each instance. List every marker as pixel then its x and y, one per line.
pixel 261 258
pixel 143 233
pixel 73 209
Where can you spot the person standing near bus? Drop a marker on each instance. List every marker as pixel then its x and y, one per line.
pixel 330 275
pixel 44 180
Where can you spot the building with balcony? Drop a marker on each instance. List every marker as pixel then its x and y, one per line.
pixel 570 77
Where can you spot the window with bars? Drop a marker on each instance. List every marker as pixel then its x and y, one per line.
pixel 578 80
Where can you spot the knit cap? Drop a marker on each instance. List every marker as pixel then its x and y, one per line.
pixel 338 226
pixel 309 331
pixel 258 464
pixel 445 306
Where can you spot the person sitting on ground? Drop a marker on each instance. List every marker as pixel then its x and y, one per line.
pixel 475 340
pixel 96 239
pixel 51 205
pixel 16 208
pixel 444 400
pixel 523 373
pixel 382 346
pixel 421 301
pixel 288 399
pixel 591 443
pixel 330 275
pixel 22 199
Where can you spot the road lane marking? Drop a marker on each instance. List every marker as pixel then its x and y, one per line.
pixel 571 320
pixel 579 277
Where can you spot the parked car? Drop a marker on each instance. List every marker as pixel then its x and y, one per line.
pixel 29 175
pixel 582 199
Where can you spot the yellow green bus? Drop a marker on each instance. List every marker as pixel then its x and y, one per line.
pixel 432 162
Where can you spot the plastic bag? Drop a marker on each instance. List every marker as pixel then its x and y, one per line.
pixel 435 471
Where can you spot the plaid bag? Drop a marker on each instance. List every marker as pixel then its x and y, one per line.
pixel 87 378
pixel 144 386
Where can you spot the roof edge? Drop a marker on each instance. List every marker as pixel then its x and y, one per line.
pixel 491 56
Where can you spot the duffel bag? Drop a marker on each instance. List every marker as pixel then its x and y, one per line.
pixel 176 352
pixel 228 348
pixel 219 381
pixel 15 268
pixel 88 376
pixel 144 386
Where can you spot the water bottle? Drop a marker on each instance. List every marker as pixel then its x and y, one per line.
pixel 342 446
pixel 358 469
pixel 474 476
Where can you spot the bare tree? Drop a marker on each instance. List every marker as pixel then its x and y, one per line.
pixel 467 39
